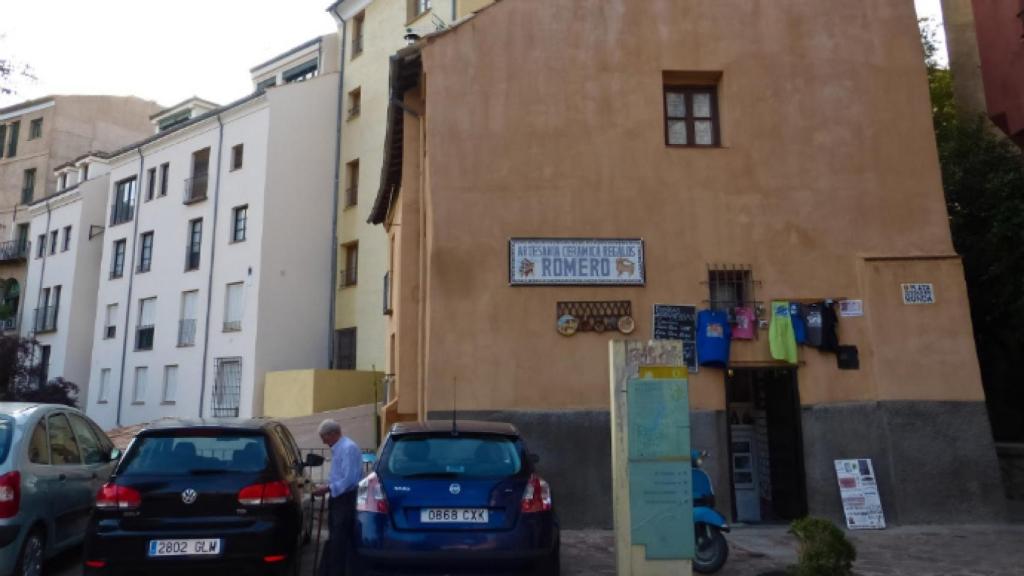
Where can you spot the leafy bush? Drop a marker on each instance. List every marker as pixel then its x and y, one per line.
pixel 824 549
pixel 56 391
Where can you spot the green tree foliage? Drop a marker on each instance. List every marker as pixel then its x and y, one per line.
pixel 20 374
pixel 983 179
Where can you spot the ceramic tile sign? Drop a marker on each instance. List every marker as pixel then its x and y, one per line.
pixel 673 322
pixel 851 308
pixel 914 294
pixel 858 488
pixel 576 262
pixel 660 476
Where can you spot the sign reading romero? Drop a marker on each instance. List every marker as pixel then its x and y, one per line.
pixel 575 261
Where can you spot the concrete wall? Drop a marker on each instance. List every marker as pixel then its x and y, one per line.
pixel 999 31
pixel 295 393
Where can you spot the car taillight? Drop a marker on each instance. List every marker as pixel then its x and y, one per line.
pixel 370 497
pixel 537 496
pixel 263 494
pixel 114 497
pixel 10 494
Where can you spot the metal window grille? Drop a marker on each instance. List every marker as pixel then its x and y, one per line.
pixel 227 387
pixel 144 337
pixel 731 286
pixel 195 189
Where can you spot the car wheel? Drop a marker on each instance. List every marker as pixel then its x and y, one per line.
pixel 30 561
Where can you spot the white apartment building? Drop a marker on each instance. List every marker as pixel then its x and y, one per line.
pixel 372 31
pixel 60 297
pixel 215 257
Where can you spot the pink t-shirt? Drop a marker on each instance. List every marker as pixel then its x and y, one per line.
pixel 745 319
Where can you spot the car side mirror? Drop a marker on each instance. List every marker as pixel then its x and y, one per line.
pixel 115 455
pixel 534 458
pixel 313 460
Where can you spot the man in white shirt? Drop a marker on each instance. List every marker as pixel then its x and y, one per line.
pixel 346 471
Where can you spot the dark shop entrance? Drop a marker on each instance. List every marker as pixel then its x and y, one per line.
pixel 765 445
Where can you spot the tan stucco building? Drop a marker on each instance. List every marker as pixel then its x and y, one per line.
pixel 37 137
pixel 812 176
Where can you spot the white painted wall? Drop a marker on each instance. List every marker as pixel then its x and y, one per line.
pixel 74 270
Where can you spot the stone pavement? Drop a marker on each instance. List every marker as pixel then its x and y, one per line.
pixel 909 550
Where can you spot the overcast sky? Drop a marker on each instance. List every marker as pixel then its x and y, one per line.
pixel 163 51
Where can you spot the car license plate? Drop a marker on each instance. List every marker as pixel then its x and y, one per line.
pixel 193 547
pixel 453 515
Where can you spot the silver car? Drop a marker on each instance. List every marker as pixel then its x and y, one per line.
pixel 53 460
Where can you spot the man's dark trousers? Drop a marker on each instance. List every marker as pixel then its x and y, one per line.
pixel 341 512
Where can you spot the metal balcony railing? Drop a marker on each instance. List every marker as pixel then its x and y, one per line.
pixel 351 196
pixel 9 324
pixel 195 188
pixel 233 326
pixel 186 332
pixel 348 278
pixel 354 111
pixel 45 319
pixel 357 45
pixel 14 250
pixel 144 337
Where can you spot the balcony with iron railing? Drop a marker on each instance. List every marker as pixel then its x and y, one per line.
pixel 14 250
pixel 357 45
pixel 195 188
pixel 45 319
pixel 144 337
pixel 9 324
pixel 347 278
pixel 232 325
pixel 351 196
pixel 186 332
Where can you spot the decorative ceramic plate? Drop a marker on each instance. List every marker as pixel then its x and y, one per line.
pixel 567 325
pixel 627 324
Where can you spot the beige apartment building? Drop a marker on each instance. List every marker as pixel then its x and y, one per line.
pixel 715 159
pixel 36 138
pixel 372 31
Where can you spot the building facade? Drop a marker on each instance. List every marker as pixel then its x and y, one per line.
pixel 63 270
pixel 727 157
pixel 214 266
pixel 371 32
pixel 35 138
pixel 1000 38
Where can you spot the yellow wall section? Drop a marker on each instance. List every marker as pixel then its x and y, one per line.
pixel 303 392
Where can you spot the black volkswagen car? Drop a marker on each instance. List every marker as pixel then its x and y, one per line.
pixel 204 495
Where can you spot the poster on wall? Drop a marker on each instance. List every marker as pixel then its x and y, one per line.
pixel 576 262
pixel 859 491
pixel 674 322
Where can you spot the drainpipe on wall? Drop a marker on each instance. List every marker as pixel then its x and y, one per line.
pixel 209 280
pixel 337 182
pixel 136 209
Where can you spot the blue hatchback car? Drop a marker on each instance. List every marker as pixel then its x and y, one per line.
pixel 448 496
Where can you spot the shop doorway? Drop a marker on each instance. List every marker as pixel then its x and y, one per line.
pixel 765 445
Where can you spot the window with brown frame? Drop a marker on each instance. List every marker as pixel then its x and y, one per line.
pixel 691 116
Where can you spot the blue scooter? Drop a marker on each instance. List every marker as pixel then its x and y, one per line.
pixel 711 548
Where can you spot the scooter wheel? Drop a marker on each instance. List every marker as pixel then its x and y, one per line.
pixel 711 549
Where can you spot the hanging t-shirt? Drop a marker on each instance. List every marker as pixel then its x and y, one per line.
pixel 796 314
pixel 713 335
pixel 829 327
pixel 780 333
pixel 812 317
pixel 745 323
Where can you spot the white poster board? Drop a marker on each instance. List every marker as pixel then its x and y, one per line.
pixel 859 491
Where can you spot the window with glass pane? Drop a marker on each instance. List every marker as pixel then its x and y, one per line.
pixel 117 261
pixel 164 169
pixel 139 385
pixel 38 450
pixel 195 243
pixel 170 390
pixel 233 307
pixel 92 450
pixel 63 447
pixel 124 202
pixel 240 220
pixel 104 396
pixel 150 184
pixel 66 245
pixel 146 252
pixel 691 116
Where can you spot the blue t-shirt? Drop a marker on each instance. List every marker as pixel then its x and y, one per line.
pixel 713 335
pixel 796 314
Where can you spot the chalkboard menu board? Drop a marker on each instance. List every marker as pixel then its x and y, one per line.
pixel 678 323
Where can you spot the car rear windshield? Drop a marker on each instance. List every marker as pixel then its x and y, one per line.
pixel 469 456
pixel 190 454
pixel 6 432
